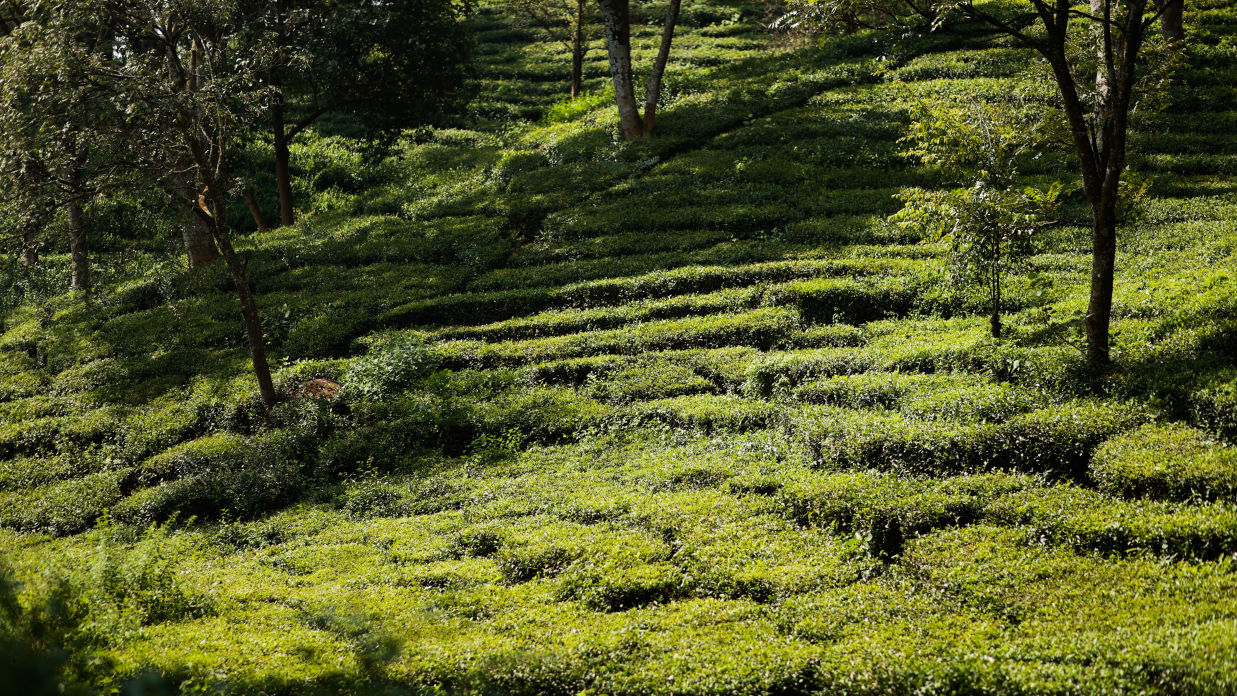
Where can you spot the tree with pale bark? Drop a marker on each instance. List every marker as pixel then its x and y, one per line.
pixel 616 18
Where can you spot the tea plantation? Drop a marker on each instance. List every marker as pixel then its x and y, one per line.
pixel 565 414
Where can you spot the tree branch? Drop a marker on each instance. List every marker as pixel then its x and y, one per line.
pixel 305 122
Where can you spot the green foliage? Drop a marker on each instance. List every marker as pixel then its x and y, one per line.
pixel 389 367
pixel 1057 441
pixel 990 221
pixel 1166 462
pixel 569 110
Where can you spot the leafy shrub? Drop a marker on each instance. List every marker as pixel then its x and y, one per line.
pixel 854 501
pixel 848 300
pixel 763 328
pixel 148 584
pixel 218 452
pixel 374 499
pixel 243 477
pixel 705 412
pixel 1057 441
pixel 1090 522
pixel 1166 461
pixel 1215 408
pixel 389 367
pixel 646 382
pixel 65 507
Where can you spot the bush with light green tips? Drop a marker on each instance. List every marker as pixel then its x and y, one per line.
pixel 1092 522
pixel 64 507
pixel 1056 441
pixel 705 412
pixel 760 328
pixel 1169 461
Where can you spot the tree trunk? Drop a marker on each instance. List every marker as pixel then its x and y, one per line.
pixel 283 172
pixel 659 66
pixel 255 211
pixel 249 308
pixel 995 286
pixel 617 20
pixel 79 259
pixel 29 249
pixel 196 232
pixel 1103 86
pixel 1172 22
pixel 1103 270
pixel 578 48
pixel 199 242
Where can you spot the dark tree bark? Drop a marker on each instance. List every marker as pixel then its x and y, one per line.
pixel 1099 132
pixel 1103 272
pixel 659 66
pixel 79 259
pixel 616 17
pixel 217 218
pixel 1102 150
pixel 1172 22
pixel 994 283
pixel 578 48
pixel 206 143
pixel 252 202
pixel 283 170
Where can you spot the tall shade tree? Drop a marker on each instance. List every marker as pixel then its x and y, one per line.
pixel 391 64
pixel 566 21
pixel 192 90
pixel 58 144
pixel 616 17
pixel 1097 85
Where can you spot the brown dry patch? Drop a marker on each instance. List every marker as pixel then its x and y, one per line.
pixel 327 389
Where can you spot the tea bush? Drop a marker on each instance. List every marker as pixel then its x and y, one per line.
pixel 1166 462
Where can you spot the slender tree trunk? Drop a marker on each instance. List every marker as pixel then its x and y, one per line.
pixel 995 284
pixel 1172 22
pixel 1103 87
pixel 578 48
pixel 617 20
pixel 659 66
pixel 29 249
pixel 1103 270
pixel 249 307
pixel 79 258
pixel 283 171
pixel 1103 200
pixel 255 211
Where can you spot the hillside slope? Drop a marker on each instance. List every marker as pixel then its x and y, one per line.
pixel 685 416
